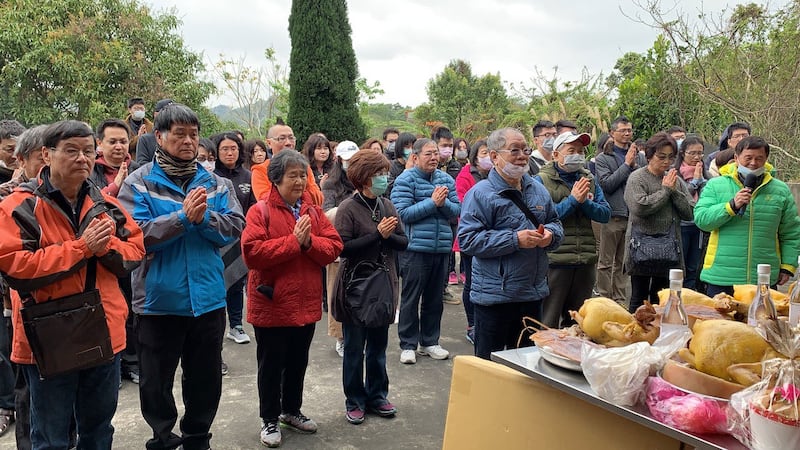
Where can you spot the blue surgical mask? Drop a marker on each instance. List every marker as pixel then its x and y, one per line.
pixel 573 163
pixel 379 184
pixel 744 171
pixel 407 153
pixel 679 142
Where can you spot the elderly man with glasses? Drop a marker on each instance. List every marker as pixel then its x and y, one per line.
pixel 508 224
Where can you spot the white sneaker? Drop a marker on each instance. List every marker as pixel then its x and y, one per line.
pixel 408 357
pixel 238 335
pixel 340 348
pixel 271 435
pixel 434 351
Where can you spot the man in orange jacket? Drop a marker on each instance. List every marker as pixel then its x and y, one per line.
pixel 55 224
pixel 281 137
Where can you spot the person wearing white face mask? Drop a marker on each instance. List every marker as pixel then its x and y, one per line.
pixel 508 224
pixel 752 218
pixel 137 121
pixel 579 200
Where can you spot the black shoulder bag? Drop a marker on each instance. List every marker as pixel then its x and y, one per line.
pixel 70 333
pixel 517 200
pixel 369 297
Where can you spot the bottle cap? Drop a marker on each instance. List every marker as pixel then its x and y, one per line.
pixel 764 269
pixel 676 274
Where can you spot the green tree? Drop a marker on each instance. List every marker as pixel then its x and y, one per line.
pixel 744 62
pixel 323 95
pixel 83 58
pixel 470 105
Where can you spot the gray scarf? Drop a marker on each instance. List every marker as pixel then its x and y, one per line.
pixel 175 167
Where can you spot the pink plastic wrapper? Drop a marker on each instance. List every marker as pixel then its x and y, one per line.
pixel 679 409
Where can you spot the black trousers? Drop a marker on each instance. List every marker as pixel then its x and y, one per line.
pixel 282 355
pixel 196 343
pixel 499 327
pixel 645 288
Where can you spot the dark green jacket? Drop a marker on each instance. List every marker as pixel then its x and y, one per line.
pixel 579 245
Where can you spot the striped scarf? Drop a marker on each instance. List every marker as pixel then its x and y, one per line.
pixel 174 167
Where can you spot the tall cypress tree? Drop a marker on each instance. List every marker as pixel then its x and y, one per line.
pixel 323 96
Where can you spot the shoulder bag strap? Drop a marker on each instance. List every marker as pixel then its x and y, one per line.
pixel 517 200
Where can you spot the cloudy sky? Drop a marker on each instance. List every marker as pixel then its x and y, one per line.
pixel 403 44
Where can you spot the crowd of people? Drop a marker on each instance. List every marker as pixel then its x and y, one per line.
pixel 182 229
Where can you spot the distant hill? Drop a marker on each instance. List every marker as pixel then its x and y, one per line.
pixel 239 116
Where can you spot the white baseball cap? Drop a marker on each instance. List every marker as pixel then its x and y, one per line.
pixel 346 150
pixel 568 136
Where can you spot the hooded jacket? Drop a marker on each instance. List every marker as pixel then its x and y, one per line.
pixel 43 254
pixel 502 272
pixel 767 231
pixel 277 263
pixel 182 273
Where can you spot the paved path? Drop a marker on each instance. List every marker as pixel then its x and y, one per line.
pixel 419 391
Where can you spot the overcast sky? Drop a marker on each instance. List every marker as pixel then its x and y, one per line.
pixel 403 44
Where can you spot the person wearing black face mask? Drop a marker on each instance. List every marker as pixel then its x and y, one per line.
pixel 579 200
pixel 750 214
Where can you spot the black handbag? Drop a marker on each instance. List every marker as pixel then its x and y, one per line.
pixel 654 254
pixel 368 293
pixel 70 333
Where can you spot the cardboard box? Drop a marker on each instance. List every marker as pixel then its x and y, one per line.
pixel 494 407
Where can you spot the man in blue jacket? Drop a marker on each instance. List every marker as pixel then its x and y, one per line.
pixel 187 214
pixel 426 200
pixel 508 224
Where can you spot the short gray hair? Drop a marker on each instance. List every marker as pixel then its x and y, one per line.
pixel 497 140
pixel 29 141
pixel 420 143
pixel 280 163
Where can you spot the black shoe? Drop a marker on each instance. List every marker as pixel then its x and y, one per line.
pixel 6 419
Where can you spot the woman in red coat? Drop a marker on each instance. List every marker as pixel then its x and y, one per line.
pixel 286 243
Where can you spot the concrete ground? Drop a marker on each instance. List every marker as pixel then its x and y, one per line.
pixel 419 391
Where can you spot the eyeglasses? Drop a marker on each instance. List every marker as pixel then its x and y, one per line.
pixel 739 136
pixel 624 131
pixel 694 153
pixel 73 153
pixel 231 149
pixel 517 152
pixel 284 138
pixel 429 154
pixel 551 134
pixel 663 157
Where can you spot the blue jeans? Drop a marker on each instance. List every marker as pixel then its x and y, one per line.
pixel 7 379
pixel 423 274
pixel 90 395
pixel 360 393
pixel 499 327
pixel 692 242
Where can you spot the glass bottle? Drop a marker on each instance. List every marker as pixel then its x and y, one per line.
pixel 794 299
pixel 762 307
pixel 674 312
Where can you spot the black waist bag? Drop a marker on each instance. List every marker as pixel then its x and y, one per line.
pixel 70 333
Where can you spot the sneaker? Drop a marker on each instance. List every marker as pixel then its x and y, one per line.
pixel 462 278
pixel 340 347
pixel 385 410
pixel 408 357
pixel 452 279
pixel 298 422
pixel 448 298
pixel 471 335
pixel 224 368
pixel 355 416
pixel 132 374
pixel 434 351
pixel 271 435
pixel 237 334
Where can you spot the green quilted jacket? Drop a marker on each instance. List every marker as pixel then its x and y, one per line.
pixel 767 233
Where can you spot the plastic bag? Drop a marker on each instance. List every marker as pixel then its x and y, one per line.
pixel 618 374
pixel 766 416
pixel 686 411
